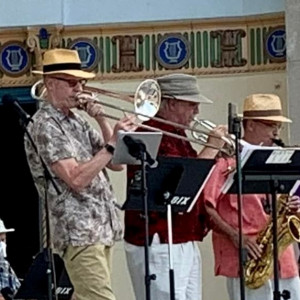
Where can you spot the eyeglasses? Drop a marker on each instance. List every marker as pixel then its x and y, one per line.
pixel 72 82
pixel 274 125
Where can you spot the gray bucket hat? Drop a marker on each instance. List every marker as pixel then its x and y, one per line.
pixel 181 87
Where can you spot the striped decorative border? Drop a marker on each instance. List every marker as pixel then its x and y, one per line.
pixel 205 50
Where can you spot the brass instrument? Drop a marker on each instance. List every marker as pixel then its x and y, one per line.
pixel 278 142
pixel 146 100
pixel 229 139
pixel 257 272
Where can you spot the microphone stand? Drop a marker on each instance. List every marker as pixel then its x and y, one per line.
pixel 234 127
pixel 137 149
pixel 48 177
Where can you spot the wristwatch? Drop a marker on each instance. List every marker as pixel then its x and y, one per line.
pixel 109 148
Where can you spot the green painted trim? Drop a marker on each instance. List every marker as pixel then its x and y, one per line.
pixel 205 49
pixel 192 57
pixel 265 56
pixel 101 43
pixel 153 42
pixel 258 46
pixel 252 47
pixel 212 50
pixel 107 57
pixel 147 52
pixel 199 49
pixel 141 54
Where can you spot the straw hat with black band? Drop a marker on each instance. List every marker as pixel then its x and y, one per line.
pixel 63 61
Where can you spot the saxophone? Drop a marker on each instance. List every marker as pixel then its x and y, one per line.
pixel 257 272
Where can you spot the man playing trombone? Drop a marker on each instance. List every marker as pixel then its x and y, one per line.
pixel 83 216
pixel 180 103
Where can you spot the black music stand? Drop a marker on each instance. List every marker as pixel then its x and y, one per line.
pixel 139 148
pixel 270 171
pixel 170 189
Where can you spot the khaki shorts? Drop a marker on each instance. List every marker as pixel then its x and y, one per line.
pixel 89 270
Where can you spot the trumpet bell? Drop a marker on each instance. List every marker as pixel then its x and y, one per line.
pixel 147 99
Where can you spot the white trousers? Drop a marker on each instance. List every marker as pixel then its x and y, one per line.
pixel 266 291
pixel 187 267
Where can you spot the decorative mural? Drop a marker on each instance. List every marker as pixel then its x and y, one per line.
pixel 128 51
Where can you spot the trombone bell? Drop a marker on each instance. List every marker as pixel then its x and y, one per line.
pixel 147 99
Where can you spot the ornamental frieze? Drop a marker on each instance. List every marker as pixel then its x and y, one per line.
pixel 148 50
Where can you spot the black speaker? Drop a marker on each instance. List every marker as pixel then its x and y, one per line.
pixel 35 284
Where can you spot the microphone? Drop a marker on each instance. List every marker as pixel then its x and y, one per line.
pixel 10 101
pixel 136 147
pixel 231 118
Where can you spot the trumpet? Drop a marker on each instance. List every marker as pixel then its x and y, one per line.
pixel 229 140
pixel 146 100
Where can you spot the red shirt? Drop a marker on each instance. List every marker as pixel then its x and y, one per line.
pixel 254 220
pixel 186 226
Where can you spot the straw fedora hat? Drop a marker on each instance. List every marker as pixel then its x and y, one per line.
pixel 63 61
pixel 3 229
pixel 264 107
pixel 181 87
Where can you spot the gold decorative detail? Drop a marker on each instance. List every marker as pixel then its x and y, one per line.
pixel 34 44
pixel 127 53
pixel 230 56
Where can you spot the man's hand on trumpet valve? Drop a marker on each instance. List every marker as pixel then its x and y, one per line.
pixel 221 131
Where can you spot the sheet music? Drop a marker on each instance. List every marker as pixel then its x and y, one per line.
pixel 200 190
pixel 245 154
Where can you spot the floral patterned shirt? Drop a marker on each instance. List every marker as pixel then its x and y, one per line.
pixel 77 218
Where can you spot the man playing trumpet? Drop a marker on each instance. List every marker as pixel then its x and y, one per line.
pixel 180 104
pixel 84 217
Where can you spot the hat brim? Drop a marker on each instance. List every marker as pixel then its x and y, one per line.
pixel 75 73
pixel 271 118
pixel 7 230
pixel 197 99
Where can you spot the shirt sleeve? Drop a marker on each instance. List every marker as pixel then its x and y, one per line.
pixel 212 190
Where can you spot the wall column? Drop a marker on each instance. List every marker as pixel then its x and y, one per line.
pixel 292 20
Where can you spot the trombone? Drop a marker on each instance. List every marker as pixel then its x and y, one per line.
pixel 146 100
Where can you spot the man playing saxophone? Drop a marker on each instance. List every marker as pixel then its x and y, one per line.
pixel 262 121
